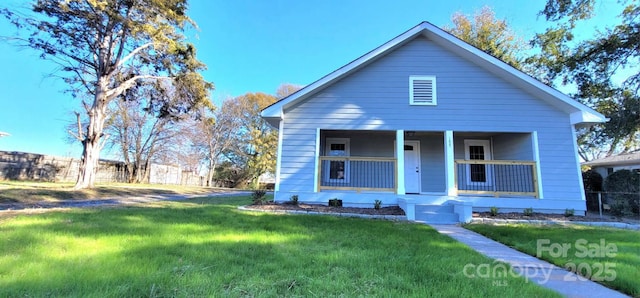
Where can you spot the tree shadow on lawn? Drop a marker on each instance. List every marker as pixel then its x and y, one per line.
pixel 188 249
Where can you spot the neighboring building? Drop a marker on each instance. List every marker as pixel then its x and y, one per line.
pixel 474 133
pixel 607 165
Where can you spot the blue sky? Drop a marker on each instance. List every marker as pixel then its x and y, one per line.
pixel 248 46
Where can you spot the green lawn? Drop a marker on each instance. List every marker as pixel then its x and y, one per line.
pixel 206 247
pixel 609 256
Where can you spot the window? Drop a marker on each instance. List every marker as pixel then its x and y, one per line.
pixel 478 174
pixel 337 170
pixel 422 90
pixel 609 171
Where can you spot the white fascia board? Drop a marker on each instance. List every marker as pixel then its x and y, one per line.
pixel 580 117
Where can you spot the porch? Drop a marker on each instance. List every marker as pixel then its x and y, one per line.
pixel 452 164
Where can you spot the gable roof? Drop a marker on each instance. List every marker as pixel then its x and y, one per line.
pixel 579 113
pixel 616 160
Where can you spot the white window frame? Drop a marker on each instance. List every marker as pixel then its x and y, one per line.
pixel 434 97
pixel 347 168
pixel 487 156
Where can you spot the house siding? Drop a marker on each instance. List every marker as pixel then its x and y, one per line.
pixel 512 147
pixel 470 99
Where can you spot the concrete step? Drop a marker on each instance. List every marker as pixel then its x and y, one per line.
pixel 436 214
pixel 434 209
pixel 437 218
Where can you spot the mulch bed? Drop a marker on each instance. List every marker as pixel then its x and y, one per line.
pixel 394 210
pixel 590 217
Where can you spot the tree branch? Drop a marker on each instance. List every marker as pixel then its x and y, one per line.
pixel 120 62
pixel 79 136
pixel 124 86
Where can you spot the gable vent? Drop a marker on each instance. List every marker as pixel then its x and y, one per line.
pixel 422 90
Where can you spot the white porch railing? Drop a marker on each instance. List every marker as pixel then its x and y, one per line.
pixel 497 177
pixel 357 173
pixel 479 177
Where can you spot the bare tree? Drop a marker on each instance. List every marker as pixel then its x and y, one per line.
pixel 287 89
pixel 215 135
pixel 139 132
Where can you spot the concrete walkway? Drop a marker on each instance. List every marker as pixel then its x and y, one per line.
pixel 545 274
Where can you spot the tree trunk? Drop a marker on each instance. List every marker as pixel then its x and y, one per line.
pixel 91 147
pixel 212 170
pixel 91 144
pixel 88 164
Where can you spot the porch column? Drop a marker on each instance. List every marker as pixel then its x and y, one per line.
pixel 279 155
pixel 400 161
pixel 316 163
pixel 449 164
pixel 536 158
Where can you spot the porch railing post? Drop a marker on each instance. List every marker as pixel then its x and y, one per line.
pixel 534 175
pixel 395 175
pixel 319 179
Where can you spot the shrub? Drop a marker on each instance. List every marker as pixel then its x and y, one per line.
pixel 592 180
pixel 294 199
pixel 258 196
pixel 569 212
pixel 335 202
pixel 493 211
pixel 377 204
pixel 592 184
pixel 528 211
pixel 619 208
pixel 623 187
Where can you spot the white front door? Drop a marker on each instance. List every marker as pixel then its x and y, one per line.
pixel 412 166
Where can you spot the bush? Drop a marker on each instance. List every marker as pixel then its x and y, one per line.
pixel 294 200
pixel 623 188
pixel 569 212
pixel 592 181
pixel 258 196
pixel 619 208
pixel 377 204
pixel 528 211
pixel 335 202
pixel 493 211
pixel 592 184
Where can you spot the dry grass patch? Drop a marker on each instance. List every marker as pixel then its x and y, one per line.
pixel 31 193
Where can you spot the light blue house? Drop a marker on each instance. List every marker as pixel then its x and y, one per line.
pixel 434 125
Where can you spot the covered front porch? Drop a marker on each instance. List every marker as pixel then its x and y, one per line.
pixel 458 170
pixel 453 164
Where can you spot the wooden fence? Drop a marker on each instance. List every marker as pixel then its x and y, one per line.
pixel 39 167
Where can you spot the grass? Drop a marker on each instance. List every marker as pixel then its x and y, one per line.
pixel 49 192
pixel 591 250
pixel 206 247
